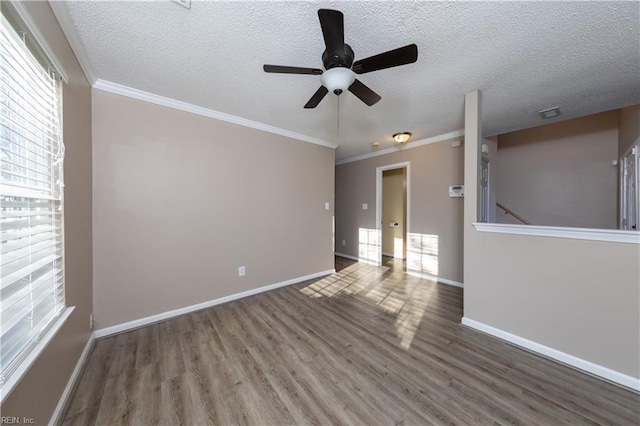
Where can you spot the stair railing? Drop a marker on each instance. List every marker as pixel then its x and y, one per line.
pixel 512 213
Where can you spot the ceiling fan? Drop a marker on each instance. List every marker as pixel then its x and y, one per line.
pixel 340 69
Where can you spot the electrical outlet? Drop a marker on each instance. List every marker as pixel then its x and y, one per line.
pixel 344 242
pixel 241 271
pixel 91 321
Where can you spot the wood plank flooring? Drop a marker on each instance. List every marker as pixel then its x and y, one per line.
pixel 365 346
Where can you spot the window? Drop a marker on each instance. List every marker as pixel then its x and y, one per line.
pixel 31 200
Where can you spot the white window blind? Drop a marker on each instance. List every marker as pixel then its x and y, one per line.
pixel 31 201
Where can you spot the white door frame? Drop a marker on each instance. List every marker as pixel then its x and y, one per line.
pixel 379 170
pixel 634 150
pixel 485 196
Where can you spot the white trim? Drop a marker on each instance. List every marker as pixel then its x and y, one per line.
pixel 412 273
pixel 581 364
pixel 609 235
pixel 130 92
pixel 75 375
pixel 379 170
pixel 416 144
pixel 119 328
pixel 28 362
pixel 69 29
pixel 346 256
pixel 368 261
pixel 435 278
pixel 40 39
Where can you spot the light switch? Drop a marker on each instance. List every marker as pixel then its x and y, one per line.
pixel 326 206
pixel 365 206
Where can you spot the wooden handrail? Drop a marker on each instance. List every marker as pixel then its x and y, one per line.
pixel 514 214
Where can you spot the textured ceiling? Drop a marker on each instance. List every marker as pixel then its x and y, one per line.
pixel 524 56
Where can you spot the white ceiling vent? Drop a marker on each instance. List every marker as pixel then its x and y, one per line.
pixel 550 112
pixel 185 3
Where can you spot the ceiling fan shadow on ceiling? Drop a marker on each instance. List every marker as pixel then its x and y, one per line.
pixel 340 69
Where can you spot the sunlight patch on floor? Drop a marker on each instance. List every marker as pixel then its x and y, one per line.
pixel 409 317
pixel 392 291
pixel 350 280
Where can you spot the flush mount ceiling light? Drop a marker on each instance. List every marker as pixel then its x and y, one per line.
pixel 549 112
pixel 402 137
pixel 338 79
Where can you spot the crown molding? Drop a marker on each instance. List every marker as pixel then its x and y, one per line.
pixel 130 92
pixel 416 144
pixel 69 29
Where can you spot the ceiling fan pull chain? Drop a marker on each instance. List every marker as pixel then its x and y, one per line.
pixel 338 121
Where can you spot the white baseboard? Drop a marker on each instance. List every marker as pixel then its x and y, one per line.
pixel 412 273
pixel 75 375
pixel 346 256
pixel 119 328
pixel 581 364
pixel 435 278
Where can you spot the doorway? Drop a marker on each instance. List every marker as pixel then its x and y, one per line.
pixel 484 189
pixel 392 210
pixel 629 191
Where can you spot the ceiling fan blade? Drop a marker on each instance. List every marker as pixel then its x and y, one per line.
pixel 393 58
pixel 291 70
pixel 332 24
pixel 363 93
pixel 317 97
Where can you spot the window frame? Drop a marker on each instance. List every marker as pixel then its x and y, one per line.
pixel 22 23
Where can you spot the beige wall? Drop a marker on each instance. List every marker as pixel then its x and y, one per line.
pixel 561 174
pixel 433 216
pixel 628 128
pixel 181 201
pixel 579 297
pixel 38 392
pixel 393 209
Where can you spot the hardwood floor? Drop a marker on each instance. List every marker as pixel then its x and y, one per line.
pixel 365 346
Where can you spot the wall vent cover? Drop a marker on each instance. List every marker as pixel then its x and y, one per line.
pixel 549 112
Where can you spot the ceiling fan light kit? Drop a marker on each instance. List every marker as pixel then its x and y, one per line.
pixel 338 79
pixel 340 68
pixel 402 137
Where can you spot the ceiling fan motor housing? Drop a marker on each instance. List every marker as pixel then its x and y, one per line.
pixel 335 60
